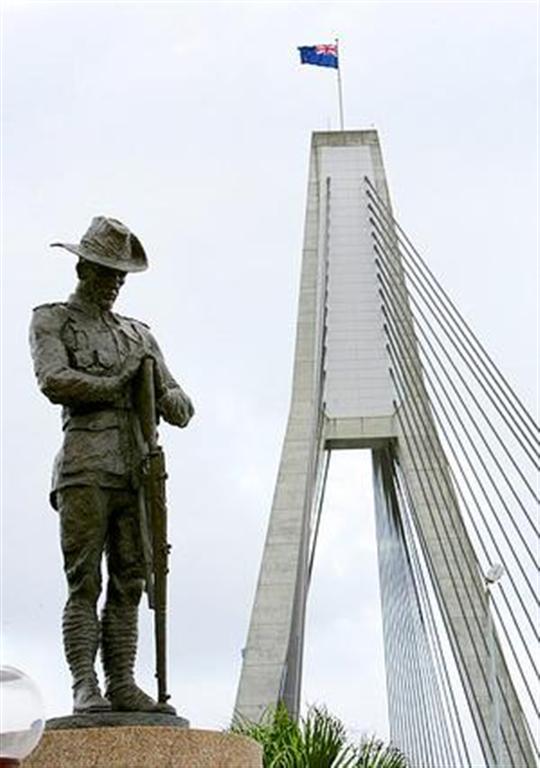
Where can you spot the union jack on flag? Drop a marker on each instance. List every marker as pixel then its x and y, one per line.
pixel 320 55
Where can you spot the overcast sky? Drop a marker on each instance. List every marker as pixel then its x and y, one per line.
pixel 191 123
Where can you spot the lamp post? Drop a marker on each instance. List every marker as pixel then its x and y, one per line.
pixel 21 716
pixel 494 574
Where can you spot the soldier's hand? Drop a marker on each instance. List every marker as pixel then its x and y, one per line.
pixel 131 366
pixel 187 408
pixel 176 407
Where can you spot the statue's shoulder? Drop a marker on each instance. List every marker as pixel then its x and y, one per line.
pixel 54 313
pixel 52 308
pixel 137 324
pixel 132 320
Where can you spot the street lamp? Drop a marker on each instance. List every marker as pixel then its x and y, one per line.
pixel 494 574
pixel 21 716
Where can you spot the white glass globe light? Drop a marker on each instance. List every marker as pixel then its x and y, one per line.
pixel 21 716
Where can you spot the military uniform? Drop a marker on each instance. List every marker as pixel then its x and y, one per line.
pixel 84 360
pixel 76 351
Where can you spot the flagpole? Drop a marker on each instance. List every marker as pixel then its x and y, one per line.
pixel 340 88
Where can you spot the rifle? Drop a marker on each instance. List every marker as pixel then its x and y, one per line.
pixel 153 511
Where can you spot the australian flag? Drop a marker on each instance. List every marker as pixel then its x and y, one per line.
pixel 321 55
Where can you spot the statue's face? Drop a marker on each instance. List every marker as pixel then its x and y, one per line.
pixel 102 284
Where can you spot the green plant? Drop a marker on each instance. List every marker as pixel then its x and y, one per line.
pixel 324 742
pixel 319 740
pixel 373 753
pixel 277 733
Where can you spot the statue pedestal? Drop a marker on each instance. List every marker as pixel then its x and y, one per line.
pixel 147 746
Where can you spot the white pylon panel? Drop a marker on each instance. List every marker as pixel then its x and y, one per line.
pixel 345 395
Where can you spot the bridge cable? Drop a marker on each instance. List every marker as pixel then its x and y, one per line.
pixel 435 640
pixel 440 314
pixel 480 627
pixel 518 594
pixel 484 358
pixel 475 449
pixel 498 437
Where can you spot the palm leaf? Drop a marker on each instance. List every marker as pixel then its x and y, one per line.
pixel 318 741
pixel 373 753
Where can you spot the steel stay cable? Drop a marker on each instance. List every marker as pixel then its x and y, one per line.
pixel 440 666
pixel 436 683
pixel 436 312
pixel 467 410
pixel 435 585
pixel 415 274
pixel 411 686
pixel 518 561
pixel 405 412
pixel 467 686
pixel 497 376
pixel 400 420
pixel 445 750
pixel 460 376
pixel 488 500
pixel 415 256
pixel 449 711
pixel 433 709
pixel 416 741
pixel 395 699
pixel 402 387
pixel 319 506
pixel 510 718
pixel 396 676
pixel 387 279
pixel 439 718
pixel 411 416
pixel 401 646
pixel 412 675
pixel 398 667
pixel 405 583
pixel 486 554
pixel 529 734
pixel 508 639
pixel 400 702
pixel 433 447
pixel 503 624
pixel 433 742
pixel 472 443
pixel 428 682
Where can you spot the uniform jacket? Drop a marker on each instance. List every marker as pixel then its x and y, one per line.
pixel 76 349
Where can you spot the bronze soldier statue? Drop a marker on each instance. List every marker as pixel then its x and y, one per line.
pixel 86 358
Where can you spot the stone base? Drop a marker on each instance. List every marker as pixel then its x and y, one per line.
pixel 114 719
pixel 143 747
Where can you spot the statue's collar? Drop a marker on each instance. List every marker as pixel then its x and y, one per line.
pixel 88 307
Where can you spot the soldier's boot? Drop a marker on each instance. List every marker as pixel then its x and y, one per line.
pixel 80 629
pixel 119 648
